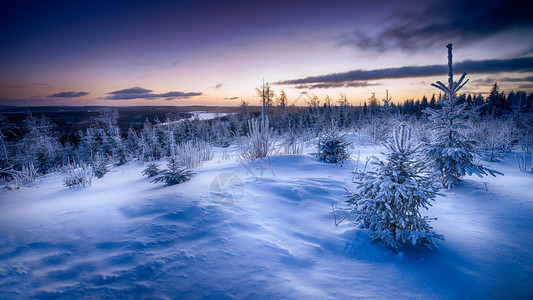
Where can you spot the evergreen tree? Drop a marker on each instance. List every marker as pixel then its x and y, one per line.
pixel 5 128
pixel 120 153
pixel 433 102
pixel 174 174
pixel 100 166
pixel 151 170
pixel 333 148
pixel 39 145
pixel 388 200
pixel 88 145
pixel 494 100
pixel 424 104
pixel 450 153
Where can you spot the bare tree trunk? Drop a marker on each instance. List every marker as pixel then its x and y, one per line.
pixel 450 82
pixel 450 68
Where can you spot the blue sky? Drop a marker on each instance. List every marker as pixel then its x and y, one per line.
pixel 218 52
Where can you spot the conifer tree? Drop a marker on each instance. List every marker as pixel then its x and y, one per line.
pixel 333 148
pixel 100 166
pixel 451 154
pixel 151 170
pixel 388 199
pixel 174 174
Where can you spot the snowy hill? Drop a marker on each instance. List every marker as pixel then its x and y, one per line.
pixel 125 237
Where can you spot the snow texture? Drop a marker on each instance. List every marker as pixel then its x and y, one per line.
pixel 124 237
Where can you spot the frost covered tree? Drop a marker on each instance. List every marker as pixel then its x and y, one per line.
pixel 174 174
pixel 450 153
pixel 100 166
pixel 5 128
pixel 39 144
pixel 89 145
pixel 333 148
pixel 151 146
pixel 388 199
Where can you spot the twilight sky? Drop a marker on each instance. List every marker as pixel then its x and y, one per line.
pixel 217 52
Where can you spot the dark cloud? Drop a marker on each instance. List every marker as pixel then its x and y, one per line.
pixel 521 79
pixel 133 90
pixel 482 82
pixel 331 85
pixel 141 93
pixel 68 94
pixel 231 98
pixel 458 21
pixel 218 85
pixel 524 64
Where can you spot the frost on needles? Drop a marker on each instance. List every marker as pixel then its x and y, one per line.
pixel 450 153
pixel 387 200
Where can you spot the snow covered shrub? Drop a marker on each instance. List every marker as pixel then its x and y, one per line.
pixel 174 174
pixel 204 151
pixel 259 142
pixel 100 166
pixel 525 132
pixel 333 148
pixel 25 175
pixel 421 133
pixel 78 176
pixel 522 164
pixel 191 154
pixel 293 145
pixel 151 170
pixel 375 129
pixel 450 153
pixel 388 199
pixel 494 138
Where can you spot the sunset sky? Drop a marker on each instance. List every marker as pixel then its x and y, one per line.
pixel 217 52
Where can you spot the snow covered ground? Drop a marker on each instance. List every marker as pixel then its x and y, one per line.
pixel 125 237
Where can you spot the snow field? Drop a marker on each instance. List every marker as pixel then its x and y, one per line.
pixel 125 237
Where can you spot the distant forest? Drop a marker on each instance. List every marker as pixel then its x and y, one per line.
pixel 47 138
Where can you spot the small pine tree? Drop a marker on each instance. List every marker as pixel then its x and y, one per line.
pixel 151 170
pixel 388 200
pixel 100 166
pixel 174 174
pixel 332 148
pixel 120 153
pixel 451 154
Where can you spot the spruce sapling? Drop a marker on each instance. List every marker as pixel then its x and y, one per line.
pixel 450 153
pixel 388 199
pixel 332 148
pixel 174 174
pixel 151 170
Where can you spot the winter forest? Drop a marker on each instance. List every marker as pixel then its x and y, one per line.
pixel 427 198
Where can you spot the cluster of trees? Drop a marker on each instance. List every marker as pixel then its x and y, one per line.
pixel 388 198
pixel 496 104
pixel 103 142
